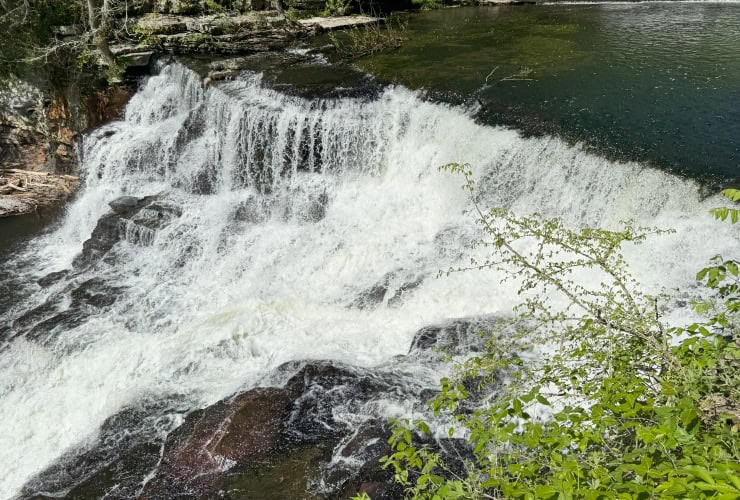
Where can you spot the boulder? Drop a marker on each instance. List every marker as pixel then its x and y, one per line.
pixel 456 334
pixel 212 442
pixel 136 59
pixel 133 219
pixel 267 443
pixel 391 285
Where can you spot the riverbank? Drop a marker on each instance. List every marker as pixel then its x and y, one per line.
pixel 27 191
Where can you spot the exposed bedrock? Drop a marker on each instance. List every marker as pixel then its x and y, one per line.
pixel 319 436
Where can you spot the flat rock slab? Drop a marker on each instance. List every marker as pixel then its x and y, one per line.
pixel 341 22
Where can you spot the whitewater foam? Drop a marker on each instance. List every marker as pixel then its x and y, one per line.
pixel 291 209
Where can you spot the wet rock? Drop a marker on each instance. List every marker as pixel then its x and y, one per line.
pixel 286 477
pixel 124 205
pixel 375 295
pixel 266 443
pixel 52 278
pixel 213 441
pixel 123 477
pixel 128 450
pixel 317 207
pixel 104 236
pixel 456 334
pixel 403 290
pixel 323 388
pixel 35 315
pixel 366 446
pixel 133 219
pixel 387 285
pixel 240 445
pixel 43 331
pixel 67 307
pixel 95 293
pixel 253 210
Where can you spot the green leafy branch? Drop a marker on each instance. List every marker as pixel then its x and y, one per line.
pixel 637 409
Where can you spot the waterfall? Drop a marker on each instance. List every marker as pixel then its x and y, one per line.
pixel 274 215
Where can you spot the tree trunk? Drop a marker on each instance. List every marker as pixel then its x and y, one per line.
pixel 97 20
pixel 278 5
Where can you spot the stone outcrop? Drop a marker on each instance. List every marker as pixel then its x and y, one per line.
pixel 196 6
pixel 38 129
pixel 71 301
pixel 35 130
pixel 271 443
pixel 339 22
pixel 132 219
pixel 221 34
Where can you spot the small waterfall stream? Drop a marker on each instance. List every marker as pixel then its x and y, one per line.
pixel 273 217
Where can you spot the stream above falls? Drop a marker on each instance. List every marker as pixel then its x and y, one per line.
pixel 645 81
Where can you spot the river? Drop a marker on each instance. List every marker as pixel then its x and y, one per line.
pixel 274 215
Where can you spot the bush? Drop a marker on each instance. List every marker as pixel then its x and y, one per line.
pixel 337 7
pixel 359 41
pixel 624 407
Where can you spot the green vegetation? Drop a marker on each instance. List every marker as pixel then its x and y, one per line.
pixel 635 409
pixel 337 7
pixel 359 41
pixel 438 4
pixel 26 30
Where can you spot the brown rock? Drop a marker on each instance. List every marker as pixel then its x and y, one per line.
pixel 211 442
pixel 106 105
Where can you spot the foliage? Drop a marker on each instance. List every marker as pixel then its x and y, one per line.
pixel 337 7
pixel 27 26
pixel 145 36
pixel 359 41
pixel 723 212
pixel 438 4
pixel 213 7
pixel 292 14
pixel 630 408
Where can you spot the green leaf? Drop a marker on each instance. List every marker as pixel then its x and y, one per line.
pixel 732 194
pixel 701 473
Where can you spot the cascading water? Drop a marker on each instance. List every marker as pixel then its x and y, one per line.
pixel 273 217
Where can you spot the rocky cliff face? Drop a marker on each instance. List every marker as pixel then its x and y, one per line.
pixel 38 128
pixel 35 133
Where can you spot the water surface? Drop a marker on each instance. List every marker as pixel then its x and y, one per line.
pixel 657 82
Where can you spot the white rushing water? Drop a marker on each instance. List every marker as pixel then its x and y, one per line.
pixel 291 208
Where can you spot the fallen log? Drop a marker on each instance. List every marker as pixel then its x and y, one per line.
pixel 27 191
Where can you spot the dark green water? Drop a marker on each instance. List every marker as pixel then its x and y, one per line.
pixel 657 82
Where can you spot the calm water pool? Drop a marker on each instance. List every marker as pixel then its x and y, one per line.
pixel 657 82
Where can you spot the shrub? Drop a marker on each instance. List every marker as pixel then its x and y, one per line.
pixel 359 41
